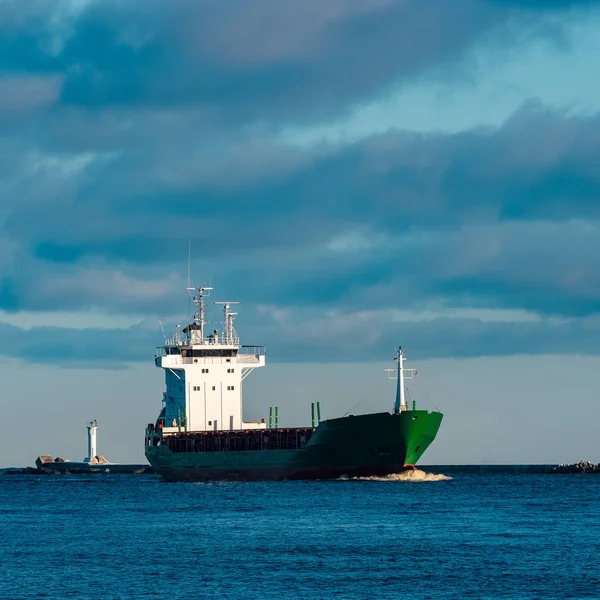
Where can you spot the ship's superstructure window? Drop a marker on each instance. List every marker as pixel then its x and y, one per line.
pixel 231 370
pixel 214 388
pixel 230 388
pixel 213 352
pixel 196 388
pixel 205 370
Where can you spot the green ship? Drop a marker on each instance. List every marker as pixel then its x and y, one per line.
pixel 200 434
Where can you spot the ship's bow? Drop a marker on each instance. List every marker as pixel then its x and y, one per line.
pixel 373 444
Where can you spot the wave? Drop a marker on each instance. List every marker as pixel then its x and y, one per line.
pixel 411 476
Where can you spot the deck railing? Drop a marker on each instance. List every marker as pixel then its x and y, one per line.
pixel 234 441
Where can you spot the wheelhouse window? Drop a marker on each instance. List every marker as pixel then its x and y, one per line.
pixel 213 352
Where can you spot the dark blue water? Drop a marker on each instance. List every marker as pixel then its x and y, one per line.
pixel 475 536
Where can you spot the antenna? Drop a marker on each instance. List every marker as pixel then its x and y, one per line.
pixel 200 310
pixel 229 333
pixel 163 331
pixel 189 262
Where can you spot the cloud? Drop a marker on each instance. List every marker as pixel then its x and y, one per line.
pixel 266 60
pixel 479 217
pixel 24 93
pixel 341 337
pixel 89 347
pixel 84 288
pixel 373 335
pixel 131 130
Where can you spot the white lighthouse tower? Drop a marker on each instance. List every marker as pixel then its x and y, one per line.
pixel 92 426
pixel 204 373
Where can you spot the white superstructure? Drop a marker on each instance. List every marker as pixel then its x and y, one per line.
pixel 204 373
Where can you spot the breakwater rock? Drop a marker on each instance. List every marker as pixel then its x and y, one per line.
pixel 584 466
pixel 46 465
pixel 100 465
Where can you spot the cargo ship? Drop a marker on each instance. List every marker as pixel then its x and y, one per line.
pixel 200 434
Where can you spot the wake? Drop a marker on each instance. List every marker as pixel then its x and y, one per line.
pixel 411 476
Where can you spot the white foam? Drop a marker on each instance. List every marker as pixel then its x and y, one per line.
pixel 413 476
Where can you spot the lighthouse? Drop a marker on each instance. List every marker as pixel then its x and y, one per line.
pixel 92 426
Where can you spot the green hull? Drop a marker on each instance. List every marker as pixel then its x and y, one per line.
pixel 356 446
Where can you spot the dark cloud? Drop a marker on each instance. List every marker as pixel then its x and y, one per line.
pixel 129 129
pixel 357 337
pixel 263 60
pixel 439 338
pixel 475 217
pixel 52 345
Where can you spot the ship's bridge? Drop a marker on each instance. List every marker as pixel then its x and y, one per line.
pixel 168 357
pixel 204 373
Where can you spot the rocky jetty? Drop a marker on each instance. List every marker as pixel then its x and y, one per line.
pixel 584 466
pixel 22 471
pixel 46 465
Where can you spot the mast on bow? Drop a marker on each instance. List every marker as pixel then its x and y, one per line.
pixel 401 375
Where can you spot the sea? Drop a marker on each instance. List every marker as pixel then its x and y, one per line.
pixel 410 536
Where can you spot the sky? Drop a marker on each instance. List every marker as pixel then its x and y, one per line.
pixel 358 173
